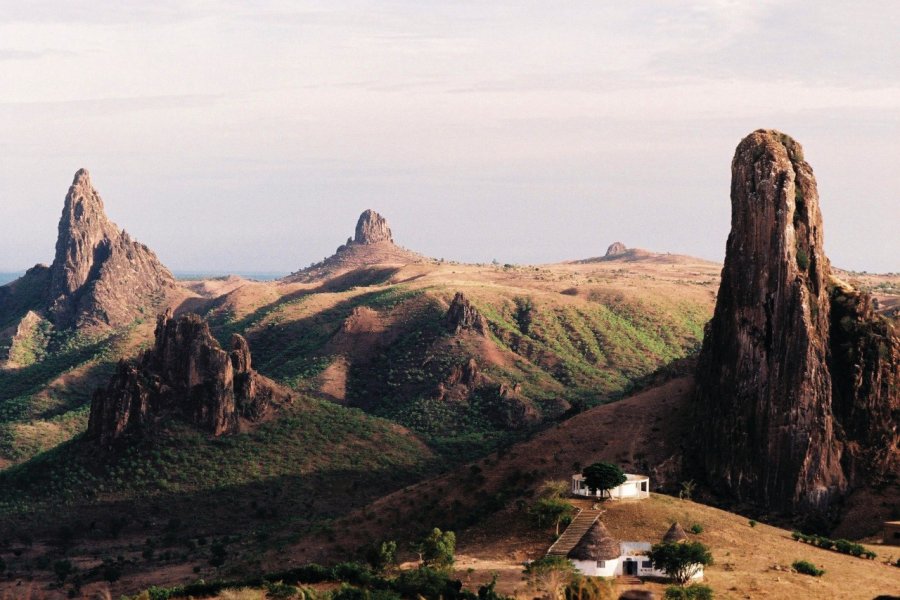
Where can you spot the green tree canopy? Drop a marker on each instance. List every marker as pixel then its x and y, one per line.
pixel 603 476
pixel 680 560
pixel 551 510
pixel 438 549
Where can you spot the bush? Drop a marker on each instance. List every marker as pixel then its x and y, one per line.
pixel 807 568
pixel 752 523
pixel 382 557
pixel 696 528
pixel 695 591
pixel 438 549
pixel 353 573
pixel 428 583
pixel 680 561
pixel 842 546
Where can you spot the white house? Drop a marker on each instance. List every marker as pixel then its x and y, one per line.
pixel 635 487
pixel 598 554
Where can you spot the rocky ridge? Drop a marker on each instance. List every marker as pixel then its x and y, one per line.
pixel 185 375
pixel 771 428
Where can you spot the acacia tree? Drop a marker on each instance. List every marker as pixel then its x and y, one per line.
pixel 550 574
pixel 603 476
pixel 438 549
pixel 680 560
pixel 551 507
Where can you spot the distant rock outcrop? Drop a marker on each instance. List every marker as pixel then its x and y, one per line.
pixel 372 228
pixel 462 315
pixel 185 375
pixel 373 244
pixel 616 249
pixel 100 276
pixel 769 429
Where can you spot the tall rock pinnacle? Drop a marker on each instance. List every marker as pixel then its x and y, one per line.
pixel 99 276
pixel 764 387
pixel 372 228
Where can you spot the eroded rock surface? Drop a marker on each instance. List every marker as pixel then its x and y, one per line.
pixel 616 249
pixel 769 430
pixel 372 228
pixel 186 375
pixel 100 276
pixel 462 315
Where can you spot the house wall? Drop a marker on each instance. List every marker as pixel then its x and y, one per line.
pixel 593 568
pixel 635 488
pixel 892 534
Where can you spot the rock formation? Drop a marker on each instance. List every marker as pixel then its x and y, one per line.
pixel 185 375
pixel 372 228
pixel 768 431
pixel 616 249
pixel 462 315
pixel 372 245
pixel 100 276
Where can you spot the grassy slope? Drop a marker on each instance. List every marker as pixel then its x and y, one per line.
pixel 253 491
pixel 592 334
pixel 46 402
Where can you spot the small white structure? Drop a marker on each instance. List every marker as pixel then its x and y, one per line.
pixel 636 487
pixel 598 554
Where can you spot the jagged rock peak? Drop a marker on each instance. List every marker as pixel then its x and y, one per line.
pixel 616 249
pixel 462 315
pixel 767 432
pixel 99 276
pixel 185 375
pixel 372 228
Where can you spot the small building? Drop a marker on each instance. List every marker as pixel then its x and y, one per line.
pixel 892 533
pixel 636 487
pixel 599 554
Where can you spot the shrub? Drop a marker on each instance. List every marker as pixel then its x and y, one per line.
pixel 807 568
pixel 438 549
pixel 696 528
pixel 382 557
pixel 428 583
pixel 680 561
pixel 802 259
pixel 353 573
pixel 695 591
pixel 752 523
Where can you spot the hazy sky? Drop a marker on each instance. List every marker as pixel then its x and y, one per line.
pixel 250 135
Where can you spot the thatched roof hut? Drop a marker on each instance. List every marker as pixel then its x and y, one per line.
pixel 596 544
pixel 675 534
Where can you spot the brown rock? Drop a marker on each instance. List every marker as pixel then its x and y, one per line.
pixel 463 315
pixel 185 375
pixel 865 370
pixel 372 228
pixel 100 276
pixel 616 249
pixel 763 385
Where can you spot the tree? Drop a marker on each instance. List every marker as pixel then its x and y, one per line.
pixel 382 557
pixel 438 549
pixel 551 510
pixel 680 560
pixel 550 574
pixel 603 476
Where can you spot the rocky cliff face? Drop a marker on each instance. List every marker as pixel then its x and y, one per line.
pixel 462 315
pixel 185 375
pixel 865 370
pixel 100 276
pixel 616 249
pixel 768 430
pixel 372 228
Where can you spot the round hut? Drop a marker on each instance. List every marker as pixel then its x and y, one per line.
pixel 597 553
pixel 675 534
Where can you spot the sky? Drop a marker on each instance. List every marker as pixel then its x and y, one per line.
pixel 244 136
